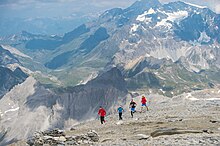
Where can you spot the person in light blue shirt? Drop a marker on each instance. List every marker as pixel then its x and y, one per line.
pixel 120 110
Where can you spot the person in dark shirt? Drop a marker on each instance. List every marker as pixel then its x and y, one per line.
pixel 133 106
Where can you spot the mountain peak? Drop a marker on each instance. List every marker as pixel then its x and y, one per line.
pixel 146 3
pixel 140 6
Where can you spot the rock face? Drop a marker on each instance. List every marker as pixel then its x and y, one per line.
pixel 6 57
pixel 9 78
pixel 58 137
pixel 30 106
pixel 187 119
pixel 82 102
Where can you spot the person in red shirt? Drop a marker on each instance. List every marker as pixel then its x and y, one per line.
pixel 144 103
pixel 102 114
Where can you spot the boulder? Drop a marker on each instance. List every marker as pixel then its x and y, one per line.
pixel 62 139
pixel 57 137
pixel 93 135
pixel 142 136
pixel 172 131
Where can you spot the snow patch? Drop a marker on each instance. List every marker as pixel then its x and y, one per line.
pixel 204 37
pixel 173 17
pixel 143 17
pixel 12 110
pixel 211 99
pixel 193 99
pixel 162 78
pixel 119 123
pixel 150 11
pixel 147 55
pixel 162 91
pixel 92 76
pixel 134 28
pixel 194 5
pixel 190 97
pixel 16 65
pixel 15 51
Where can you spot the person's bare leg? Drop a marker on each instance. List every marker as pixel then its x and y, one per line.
pixel 147 108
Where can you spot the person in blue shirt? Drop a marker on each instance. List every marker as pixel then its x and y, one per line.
pixel 120 110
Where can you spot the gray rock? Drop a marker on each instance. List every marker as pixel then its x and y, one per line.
pixel 56 138
pixel 172 131
pixel 71 143
pixel 62 138
pixel 72 129
pixel 142 137
pixel 93 135
pixel 47 137
pixel 105 140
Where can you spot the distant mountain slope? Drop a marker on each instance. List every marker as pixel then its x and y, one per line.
pixel 149 28
pixel 42 24
pixel 8 79
pixel 52 43
pixel 172 31
pixel 6 57
pixel 87 46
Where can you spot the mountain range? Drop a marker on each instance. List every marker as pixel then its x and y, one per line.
pixel 178 34
pixel 149 48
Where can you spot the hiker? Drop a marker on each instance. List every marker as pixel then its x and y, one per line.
pixel 102 114
pixel 133 106
pixel 144 103
pixel 120 110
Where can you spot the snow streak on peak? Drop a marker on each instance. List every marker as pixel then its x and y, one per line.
pixel 194 5
pixel 142 17
pixel 134 28
pixel 151 11
pixel 175 16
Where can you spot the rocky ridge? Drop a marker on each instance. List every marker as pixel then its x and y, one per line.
pixel 187 119
pixel 59 137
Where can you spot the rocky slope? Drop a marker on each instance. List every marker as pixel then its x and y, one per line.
pixel 30 107
pixel 6 57
pixel 187 119
pixel 144 48
pixel 9 77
